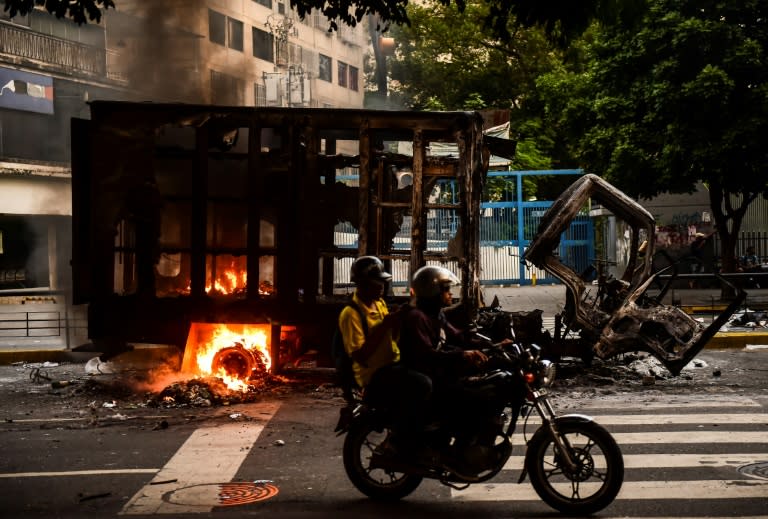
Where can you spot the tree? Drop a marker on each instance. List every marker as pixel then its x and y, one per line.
pixel 449 60
pixel 562 18
pixel 80 11
pixel 681 98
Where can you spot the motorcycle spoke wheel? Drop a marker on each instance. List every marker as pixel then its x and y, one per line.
pixel 594 481
pixel 376 482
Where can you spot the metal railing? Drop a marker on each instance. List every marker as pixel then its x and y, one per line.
pixel 68 55
pixel 41 315
pixel 32 324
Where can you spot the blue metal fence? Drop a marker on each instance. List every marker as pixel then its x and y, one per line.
pixel 506 230
pixel 512 224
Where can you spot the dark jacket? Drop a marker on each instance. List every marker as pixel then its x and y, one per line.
pixel 429 344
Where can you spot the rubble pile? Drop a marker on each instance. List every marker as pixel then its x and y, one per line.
pixel 747 319
pixel 632 369
pixel 213 392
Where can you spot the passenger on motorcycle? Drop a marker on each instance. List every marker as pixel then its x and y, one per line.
pixel 432 346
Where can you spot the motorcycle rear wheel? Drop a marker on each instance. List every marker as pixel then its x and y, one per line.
pixel 376 483
pixel 599 474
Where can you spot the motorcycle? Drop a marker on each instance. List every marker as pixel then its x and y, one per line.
pixel 574 464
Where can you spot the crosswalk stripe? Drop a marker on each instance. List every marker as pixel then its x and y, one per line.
pixel 656 461
pixel 624 401
pixel 641 490
pixel 210 455
pixel 668 419
pixel 676 437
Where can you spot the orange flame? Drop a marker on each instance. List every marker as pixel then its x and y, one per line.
pixel 228 282
pixel 250 337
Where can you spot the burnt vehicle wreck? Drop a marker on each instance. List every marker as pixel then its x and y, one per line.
pixel 611 315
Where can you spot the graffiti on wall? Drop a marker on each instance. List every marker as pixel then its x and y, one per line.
pixel 682 229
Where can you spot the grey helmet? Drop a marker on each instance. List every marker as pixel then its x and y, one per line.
pixel 367 268
pixel 429 281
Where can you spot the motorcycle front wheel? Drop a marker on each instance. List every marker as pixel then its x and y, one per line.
pixel 377 483
pixel 597 478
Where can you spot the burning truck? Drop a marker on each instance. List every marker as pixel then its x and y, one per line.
pixel 228 231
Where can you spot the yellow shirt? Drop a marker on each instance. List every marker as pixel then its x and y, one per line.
pixel 352 332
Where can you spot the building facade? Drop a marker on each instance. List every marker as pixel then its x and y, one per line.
pixel 224 52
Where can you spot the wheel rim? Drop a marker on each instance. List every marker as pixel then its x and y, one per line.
pixel 588 478
pixel 380 477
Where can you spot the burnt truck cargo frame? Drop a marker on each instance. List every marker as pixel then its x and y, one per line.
pixel 176 188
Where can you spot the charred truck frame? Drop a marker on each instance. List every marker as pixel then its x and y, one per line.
pixel 189 215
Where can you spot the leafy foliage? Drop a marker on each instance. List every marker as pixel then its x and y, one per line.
pixel 80 11
pixel 449 60
pixel 680 98
pixel 562 19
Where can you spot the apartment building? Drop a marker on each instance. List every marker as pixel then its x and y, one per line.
pixel 226 52
pixel 235 52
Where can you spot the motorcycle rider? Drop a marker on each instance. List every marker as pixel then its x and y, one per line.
pixel 375 355
pixel 429 344
pixel 377 348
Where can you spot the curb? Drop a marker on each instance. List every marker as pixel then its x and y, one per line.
pixel 730 340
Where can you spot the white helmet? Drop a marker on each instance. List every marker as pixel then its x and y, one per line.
pixel 430 281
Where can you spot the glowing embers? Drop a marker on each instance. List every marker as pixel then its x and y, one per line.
pixel 235 353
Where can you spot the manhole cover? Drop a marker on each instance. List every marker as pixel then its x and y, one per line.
pixel 755 470
pixel 223 494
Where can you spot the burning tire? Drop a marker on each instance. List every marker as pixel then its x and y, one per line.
pixel 238 362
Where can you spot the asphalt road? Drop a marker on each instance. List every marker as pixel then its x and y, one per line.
pixel 95 449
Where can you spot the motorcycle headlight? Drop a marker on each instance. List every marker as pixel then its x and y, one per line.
pixel 547 373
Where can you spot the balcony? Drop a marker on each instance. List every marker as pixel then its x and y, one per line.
pixel 67 56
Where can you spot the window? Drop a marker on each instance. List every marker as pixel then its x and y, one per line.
pixel 217 27
pixel 265 3
pixel 353 73
pixel 324 70
pixel 226 89
pixel 259 94
pixel 342 74
pixel 235 34
pixel 280 8
pixel 263 47
pixel 43 22
pixel 225 31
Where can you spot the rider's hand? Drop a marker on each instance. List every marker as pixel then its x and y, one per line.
pixel 475 357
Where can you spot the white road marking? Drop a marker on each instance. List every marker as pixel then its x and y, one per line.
pixel 11 421
pixel 210 455
pixel 656 490
pixel 667 419
pixel 77 473
pixel 637 402
pixel 657 461
pixel 675 437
